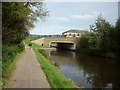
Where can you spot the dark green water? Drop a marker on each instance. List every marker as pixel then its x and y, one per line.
pixel 86 70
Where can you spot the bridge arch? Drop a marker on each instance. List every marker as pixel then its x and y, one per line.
pixel 63 45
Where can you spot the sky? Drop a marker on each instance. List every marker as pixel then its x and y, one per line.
pixel 74 15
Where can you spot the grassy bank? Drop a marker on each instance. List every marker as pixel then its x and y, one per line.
pixel 98 53
pixel 54 76
pixel 9 58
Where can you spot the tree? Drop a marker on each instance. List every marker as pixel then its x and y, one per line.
pixel 83 42
pixel 117 39
pixel 18 18
pixel 101 31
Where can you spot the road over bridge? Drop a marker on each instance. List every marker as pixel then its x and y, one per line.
pixel 58 42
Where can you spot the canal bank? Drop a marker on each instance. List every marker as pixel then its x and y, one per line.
pixel 85 70
pixel 97 53
pixel 54 76
pixel 89 71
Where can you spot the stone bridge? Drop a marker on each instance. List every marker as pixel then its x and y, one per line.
pixel 58 42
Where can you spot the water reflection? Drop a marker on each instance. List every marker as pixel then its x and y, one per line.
pixel 100 72
pixel 89 71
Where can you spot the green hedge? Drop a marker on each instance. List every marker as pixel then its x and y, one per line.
pixel 9 55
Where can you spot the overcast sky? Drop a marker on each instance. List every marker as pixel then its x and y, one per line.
pixel 74 15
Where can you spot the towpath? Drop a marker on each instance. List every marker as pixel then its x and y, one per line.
pixel 28 73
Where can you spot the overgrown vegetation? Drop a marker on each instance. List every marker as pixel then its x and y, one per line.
pixel 43 53
pixel 54 76
pixel 17 19
pixel 103 39
pixel 9 54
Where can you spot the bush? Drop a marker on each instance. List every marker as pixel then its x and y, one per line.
pixel 83 44
pixel 9 54
pixel 10 51
pixel 43 53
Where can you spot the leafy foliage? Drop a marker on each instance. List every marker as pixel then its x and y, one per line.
pixel 101 31
pixel 9 54
pixel 117 36
pixel 43 53
pixel 83 43
pixel 103 38
pixel 18 18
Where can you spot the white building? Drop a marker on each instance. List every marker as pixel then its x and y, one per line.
pixel 73 33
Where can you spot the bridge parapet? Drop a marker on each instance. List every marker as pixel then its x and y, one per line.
pixel 46 41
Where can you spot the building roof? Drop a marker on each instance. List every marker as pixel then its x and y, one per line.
pixel 74 31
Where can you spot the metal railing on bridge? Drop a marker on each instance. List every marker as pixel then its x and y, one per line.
pixel 40 36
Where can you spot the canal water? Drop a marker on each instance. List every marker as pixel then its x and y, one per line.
pixel 86 70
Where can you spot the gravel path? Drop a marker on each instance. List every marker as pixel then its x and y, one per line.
pixel 28 73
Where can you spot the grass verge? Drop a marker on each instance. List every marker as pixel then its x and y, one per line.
pixel 54 76
pixel 10 53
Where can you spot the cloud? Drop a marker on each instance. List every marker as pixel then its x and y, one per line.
pixel 63 19
pixel 87 16
pixel 93 15
pixel 81 16
pixel 80 0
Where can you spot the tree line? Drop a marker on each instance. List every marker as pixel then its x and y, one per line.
pixel 103 39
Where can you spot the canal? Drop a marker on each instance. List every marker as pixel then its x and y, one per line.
pixel 86 70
